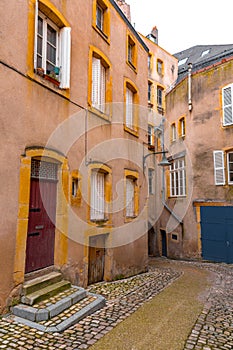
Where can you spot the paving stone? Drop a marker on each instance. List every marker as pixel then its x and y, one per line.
pixel 213 329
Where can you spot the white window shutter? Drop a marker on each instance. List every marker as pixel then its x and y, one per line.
pixel 129 108
pixel 228 105
pixel 219 171
pixel 65 56
pixel 129 197
pixel 97 196
pixel 95 81
pixel 35 34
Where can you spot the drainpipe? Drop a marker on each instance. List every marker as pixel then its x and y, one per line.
pixel 190 86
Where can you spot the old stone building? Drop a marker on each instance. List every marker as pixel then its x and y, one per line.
pixel 162 74
pixel 73 192
pixel 198 210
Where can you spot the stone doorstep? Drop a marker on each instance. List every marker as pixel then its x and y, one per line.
pixel 45 292
pixel 37 283
pixel 72 320
pixel 43 314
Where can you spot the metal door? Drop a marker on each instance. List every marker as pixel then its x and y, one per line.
pixel 42 216
pixel 96 259
pixel 217 233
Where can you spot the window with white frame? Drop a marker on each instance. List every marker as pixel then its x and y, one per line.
pixel 178 178
pixel 130 197
pixel 52 49
pixel 97 201
pixel 98 84
pixel 227 102
pixel 230 167
pixel 151 181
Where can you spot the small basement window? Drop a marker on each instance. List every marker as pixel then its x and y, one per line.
pixel 174 237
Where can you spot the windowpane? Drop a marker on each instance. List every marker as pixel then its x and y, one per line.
pixel 159 96
pixel 40 26
pixel 230 167
pixel 51 54
pixel 159 67
pixel 51 35
pixel 99 17
pixel 149 91
pixel 178 178
pixel 151 181
pixel 130 53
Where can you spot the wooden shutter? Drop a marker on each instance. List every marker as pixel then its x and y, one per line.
pixel 129 197
pixel 65 49
pixel 227 105
pixel 35 34
pixel 129 108
pixel 219 171
pixel 97 196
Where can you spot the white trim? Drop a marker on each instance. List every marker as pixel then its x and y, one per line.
pixel 219 169
pixel 178 178
pixel 227 105
pixel 230 182
pixel 35 36
pixel 65 53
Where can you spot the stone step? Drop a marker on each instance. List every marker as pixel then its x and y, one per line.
pixel 64 319
pixel 45 292
pixel 51 307
pixel 41 282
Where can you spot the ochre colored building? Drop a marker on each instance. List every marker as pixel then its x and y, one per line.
pixel 74 196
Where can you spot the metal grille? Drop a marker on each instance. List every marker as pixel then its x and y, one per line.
pixel 43 170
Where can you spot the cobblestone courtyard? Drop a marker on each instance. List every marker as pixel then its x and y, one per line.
pixel 213 329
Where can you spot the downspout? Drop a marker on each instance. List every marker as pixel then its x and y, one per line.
pixel 190 86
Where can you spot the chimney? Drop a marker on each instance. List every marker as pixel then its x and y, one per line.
pixel 153 36
pixel 125 8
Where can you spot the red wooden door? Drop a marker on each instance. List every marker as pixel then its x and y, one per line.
pixel 41 223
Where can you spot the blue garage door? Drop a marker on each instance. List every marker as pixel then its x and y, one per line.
pixel 217 233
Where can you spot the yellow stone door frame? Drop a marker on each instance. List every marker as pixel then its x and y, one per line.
pixel 61 227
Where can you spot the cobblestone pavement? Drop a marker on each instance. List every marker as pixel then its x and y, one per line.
pixel 123 298
pixel 213 329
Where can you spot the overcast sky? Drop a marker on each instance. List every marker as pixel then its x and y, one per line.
pixel 183 23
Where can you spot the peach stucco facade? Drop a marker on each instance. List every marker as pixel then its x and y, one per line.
pixel 43 122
